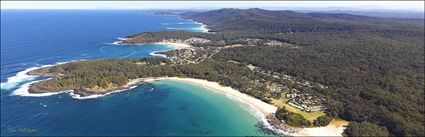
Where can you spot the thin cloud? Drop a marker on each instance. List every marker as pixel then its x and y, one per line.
pixel 390 5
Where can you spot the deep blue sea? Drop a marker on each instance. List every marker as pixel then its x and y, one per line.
pixel 33 38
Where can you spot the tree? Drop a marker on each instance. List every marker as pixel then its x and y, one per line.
pixel 355 129
pixel 322 121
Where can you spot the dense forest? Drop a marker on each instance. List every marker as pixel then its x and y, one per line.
pixel 374 67
pixel 266 21
pixel 87 74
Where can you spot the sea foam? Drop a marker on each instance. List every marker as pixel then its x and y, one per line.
pixel 119 42
pixel 77 96
pixel 172 28
pixel 23 91
pixel 116 43
pixel 158 55
pixel 21 77
pixel 256 113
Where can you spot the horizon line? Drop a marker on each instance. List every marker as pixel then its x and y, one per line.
pixel 206 9
pixel 211 5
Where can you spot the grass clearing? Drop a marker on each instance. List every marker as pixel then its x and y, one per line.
pixel 307 115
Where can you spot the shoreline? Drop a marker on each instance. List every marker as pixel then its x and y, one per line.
pixel 264 108
pixel 258 108
pixel 203 27
pixel 174 45
pixel 25 90
pixel 261 109
pixel 334 128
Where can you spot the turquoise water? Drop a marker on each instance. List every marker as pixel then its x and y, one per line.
pixel 200 111
pixel 33 38
pixel 161 108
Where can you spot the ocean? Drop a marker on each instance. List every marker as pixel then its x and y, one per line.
pixel 35 38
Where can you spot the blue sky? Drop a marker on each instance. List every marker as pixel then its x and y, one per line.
pixel 364 5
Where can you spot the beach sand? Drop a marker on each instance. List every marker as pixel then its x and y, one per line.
pixel 263 107
pixel 204 29
pixel 174 45
pixel 335 128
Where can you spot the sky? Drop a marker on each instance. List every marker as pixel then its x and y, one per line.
pixel 363 5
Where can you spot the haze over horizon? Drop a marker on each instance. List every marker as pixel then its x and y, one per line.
pixel 417 6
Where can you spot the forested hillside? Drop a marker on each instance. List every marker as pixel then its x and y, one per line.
pixel 259 20
pixel 374 66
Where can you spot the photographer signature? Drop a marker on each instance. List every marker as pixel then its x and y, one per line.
pixel 21 130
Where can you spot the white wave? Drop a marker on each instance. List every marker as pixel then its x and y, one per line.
pixel 184 23
pixel 23 91
pixel 195 22
pixel 43 105
pixel 128 55
pixel 256 113
pixel 22 76
pixel 158 55
pixel 116 43
pixel 180 23
pixel 77 96
pixel 174 28
pixel 102 49
pixel 202 28
pixel 122 39
pixel 119 42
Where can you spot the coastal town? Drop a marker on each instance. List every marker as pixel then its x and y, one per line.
pixel 292 93
pixel 296 98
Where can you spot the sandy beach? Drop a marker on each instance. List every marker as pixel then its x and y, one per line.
pixel 263 107
pixel 174 45
pixel 204 29
pixel 335 128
